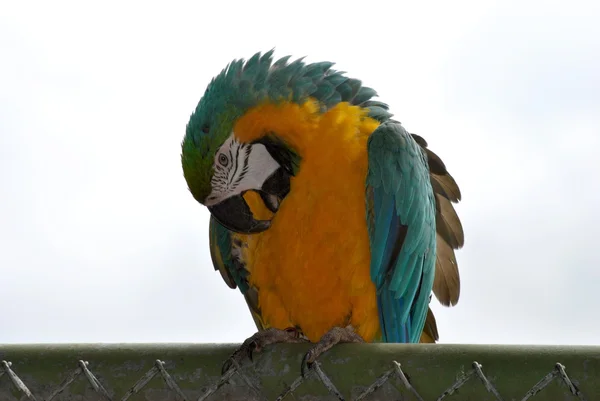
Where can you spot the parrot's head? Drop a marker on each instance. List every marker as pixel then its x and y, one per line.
pixel 218 168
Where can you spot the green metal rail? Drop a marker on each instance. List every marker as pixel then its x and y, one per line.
pixel 365 372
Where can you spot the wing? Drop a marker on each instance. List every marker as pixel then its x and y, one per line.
pixel 401 210
pixel 450 235
pixel 226 253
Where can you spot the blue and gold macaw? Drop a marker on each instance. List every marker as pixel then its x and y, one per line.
pixel 334 222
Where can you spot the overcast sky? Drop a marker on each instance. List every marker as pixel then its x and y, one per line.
pixel 101 241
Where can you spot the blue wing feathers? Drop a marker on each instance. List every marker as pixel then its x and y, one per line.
pixel 401 279
pixel 383 219
pixel 391 252
pixel 402 231
pixel 394 331
pixel 412 287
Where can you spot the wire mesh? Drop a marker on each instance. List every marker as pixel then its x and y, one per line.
pixel 362 372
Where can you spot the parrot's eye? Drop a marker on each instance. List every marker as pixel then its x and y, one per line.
pixel 223 160
pixel 205 129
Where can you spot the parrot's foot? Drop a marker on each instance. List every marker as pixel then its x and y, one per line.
pixel 332 337
pixel 260 340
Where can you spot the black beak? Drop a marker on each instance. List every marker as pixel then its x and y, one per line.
pixel 235 215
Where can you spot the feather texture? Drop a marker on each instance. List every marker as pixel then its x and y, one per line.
pixel 401 216
pixel 450 235
pixel 245 84
pixel 412 225
pixel 227 259
pixel 446 285
pixel 430 331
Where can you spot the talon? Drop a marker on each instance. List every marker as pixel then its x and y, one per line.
pixel 245 350
pixel 306 365
pixel 257 342
pixel 226 366
pixel 331 338
pixel 252 347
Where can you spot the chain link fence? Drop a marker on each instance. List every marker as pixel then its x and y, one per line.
pixel 360 372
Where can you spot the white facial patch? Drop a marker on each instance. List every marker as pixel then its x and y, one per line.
pixel 239 167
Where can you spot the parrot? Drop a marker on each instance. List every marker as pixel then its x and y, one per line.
pixel 334 222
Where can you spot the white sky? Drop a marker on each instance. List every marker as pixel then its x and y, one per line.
pixel 100 240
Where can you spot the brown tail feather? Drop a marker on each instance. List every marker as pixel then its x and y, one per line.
pixel 430 332
pixel 450 234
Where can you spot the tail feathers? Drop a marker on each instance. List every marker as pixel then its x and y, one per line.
pixel 392 331
pixel 430 331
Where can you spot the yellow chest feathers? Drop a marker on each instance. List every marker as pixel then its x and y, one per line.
pixel 312 266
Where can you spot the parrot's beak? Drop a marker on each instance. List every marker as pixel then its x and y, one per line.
pixel 234 213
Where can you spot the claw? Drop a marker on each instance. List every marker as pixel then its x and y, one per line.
pixel 226 366
pixel 251 348
pixel 246 350
pixel 332 337
pixel 306 365
pixel 257 342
